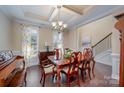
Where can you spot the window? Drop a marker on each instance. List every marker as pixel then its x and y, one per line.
pixel 57 39
pixel 30 42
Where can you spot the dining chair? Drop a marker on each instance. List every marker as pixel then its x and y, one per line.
pixel 46 68
pixel 85 65
pixel 72 69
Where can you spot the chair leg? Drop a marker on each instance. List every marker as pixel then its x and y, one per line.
pixel 93 67
pixel 85 72
pixel 53 77
pixel 78 80
pixel 68 81
pixel 43 79
pixel 25 78
pixel 89 70
pixel 82 75
pixel 53 73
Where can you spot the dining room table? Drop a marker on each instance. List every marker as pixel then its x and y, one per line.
pixel 61 63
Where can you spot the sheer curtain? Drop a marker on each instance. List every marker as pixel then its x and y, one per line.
pixel 30 43
pixel 57 39
pixel 58 42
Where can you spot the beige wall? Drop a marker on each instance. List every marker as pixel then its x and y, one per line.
pixel 5 33
pixel 72 39
pixel 45 35
pixel 97 30
pixel 16 36
pixel 66 39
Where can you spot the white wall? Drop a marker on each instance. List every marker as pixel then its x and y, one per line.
pixel 5 32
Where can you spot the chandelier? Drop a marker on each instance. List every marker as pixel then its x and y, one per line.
pixel 58 25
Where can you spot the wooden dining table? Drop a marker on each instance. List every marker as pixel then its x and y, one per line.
pixel 61 63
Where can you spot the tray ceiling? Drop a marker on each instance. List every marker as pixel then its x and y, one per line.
pixel 73 15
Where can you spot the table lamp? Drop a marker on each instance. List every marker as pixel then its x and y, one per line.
pixel 47 46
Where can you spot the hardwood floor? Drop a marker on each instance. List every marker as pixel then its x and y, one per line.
pixel 102 78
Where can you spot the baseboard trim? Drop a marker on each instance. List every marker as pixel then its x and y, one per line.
pixel 115 77
pixel 104 57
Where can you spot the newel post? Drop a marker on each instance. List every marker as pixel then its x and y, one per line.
pixel 120 26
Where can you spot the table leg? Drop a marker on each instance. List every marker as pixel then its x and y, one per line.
pixel 58 77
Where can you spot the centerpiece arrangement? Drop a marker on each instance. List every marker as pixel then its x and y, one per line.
pixel 68 53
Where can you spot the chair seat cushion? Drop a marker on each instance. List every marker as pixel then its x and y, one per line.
pixel 49 69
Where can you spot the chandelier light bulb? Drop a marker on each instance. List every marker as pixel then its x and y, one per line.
pixel 53 24
pixel 55 27
pixel 65 25
pixel 60 23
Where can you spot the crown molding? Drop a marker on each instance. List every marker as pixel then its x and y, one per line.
pixel 107 13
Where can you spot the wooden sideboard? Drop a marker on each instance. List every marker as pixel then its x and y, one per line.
pixel 5 72
pixel 44 55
